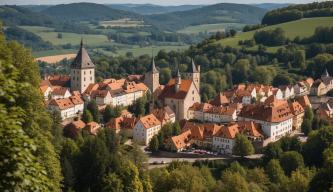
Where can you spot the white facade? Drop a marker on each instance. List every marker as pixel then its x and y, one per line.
pixel 78 108
pixel 65 113
pixel 107 100
pixel 82 78
pixel 300 89
pixel 274 130
pixel 67 94
pixel 223 145
pixel 47 93
pixel 279 94
pixel 143 135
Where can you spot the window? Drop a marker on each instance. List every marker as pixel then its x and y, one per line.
pixel 84 72
pixel 90 78
pixel 90 72
pixel 84 79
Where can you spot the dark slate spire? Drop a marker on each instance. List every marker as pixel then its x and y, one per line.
pixel 82 59
pixel 325 74
pixel 153 67
pixel 194 68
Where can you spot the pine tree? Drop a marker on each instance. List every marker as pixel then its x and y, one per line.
pixel 93 108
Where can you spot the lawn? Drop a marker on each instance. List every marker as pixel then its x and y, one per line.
pixel 210 28
pixel 303 28
pixel 137 51
pixel 48 34
pixel 126 22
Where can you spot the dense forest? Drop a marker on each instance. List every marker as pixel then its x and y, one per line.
pixel 295 12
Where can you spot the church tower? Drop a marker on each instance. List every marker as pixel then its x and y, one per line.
pixel 194 75
pixel 152 77
pixel 82 70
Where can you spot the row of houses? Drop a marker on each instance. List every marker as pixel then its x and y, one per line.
pixel 216 137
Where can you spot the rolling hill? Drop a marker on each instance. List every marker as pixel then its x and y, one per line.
pixel 302 28
pixel 219 13
pixel 15 15
pixel 86 12
pixel 149 9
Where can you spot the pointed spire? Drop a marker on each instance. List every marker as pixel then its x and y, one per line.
pixel 178 73
pixel 153 68
pixel 194 67
pixel 326 74
pixel 81 44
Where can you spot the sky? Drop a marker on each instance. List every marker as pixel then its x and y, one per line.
pixel 157 2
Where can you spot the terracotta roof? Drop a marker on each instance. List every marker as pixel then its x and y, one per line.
pixel 62 103
pixel 93 127
pixel 59 80
pixel 76 93
pixel 182 140
pixel 169 90
pixel 44 85
pixel 203 107
pixel 219 100
pixel 222 110
pixel 250 128
pixel 76 100
pixel 73 128
pixel 304 101
pixel 228 132
pixel 60 91
pixel 202 131
pixel 276 111
pixel 149 121
pixel 296 108
pixel 99 93
pixel 121 123
pixel 164 114
pixel 309 81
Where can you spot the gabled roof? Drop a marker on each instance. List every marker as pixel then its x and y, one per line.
pixel 149 121
pixel 169 90
pixel 276 111
pixel 296 108
pixel 304 101
pixel 82 59
pixel 62 103
pixel 219 100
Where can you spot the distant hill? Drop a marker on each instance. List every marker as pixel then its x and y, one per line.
pixel 271 6
pixel 36 8
pixel 299 11
pixel 219 13
pixel 15 15
pixel 302 28
pixel 149 9
pixel 86 12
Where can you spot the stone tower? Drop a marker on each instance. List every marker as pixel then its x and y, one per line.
pixel 152 78
pixel 194 74
pixel 82 70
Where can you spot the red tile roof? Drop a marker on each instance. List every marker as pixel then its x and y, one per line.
pixel 149 121
pixel 169 90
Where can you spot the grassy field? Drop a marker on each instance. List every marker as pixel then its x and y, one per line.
pixel 210 28
pixel 302 28
pixel 48 34
pixel 126 23
pixel 137 51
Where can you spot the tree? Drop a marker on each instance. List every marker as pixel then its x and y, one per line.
pixel 111 112
pixel 112 182
pixel 59 35
pixel 232 182
pixel 243 146
pixel 291 161
pixel 86 116
pixel 297 182
pixel 281 79
pixel 153 144
pixel 29 161
pixel 93 108
pixel 139 106
pixel 275 172
pixel 306 126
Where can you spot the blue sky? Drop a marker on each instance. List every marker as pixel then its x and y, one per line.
pixel 158 2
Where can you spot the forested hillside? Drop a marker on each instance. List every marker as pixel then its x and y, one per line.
pixel 295 12
pixel 148 9
pixel 86 12
pixel 219 13
pixel 15 15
